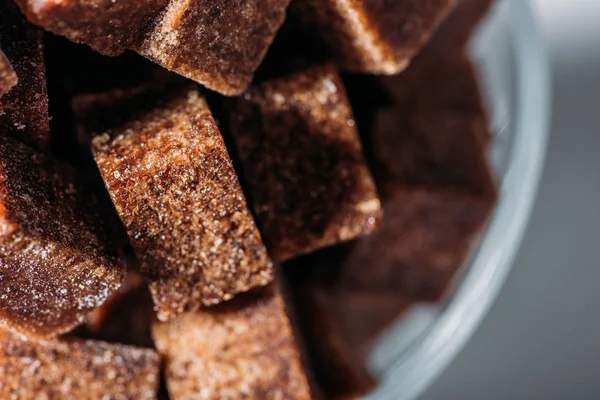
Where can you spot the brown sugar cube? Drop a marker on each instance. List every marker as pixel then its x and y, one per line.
pixel 339 371
pixel 56 259
pixel 218 44
pixel 24 110
pixel 340 324
pixel 244 349
pixel 302 159
pixel 436 86
pixel 172 182
pixel 8 78
pixel 445 85
pixel 373 36
pixel 73 369
pixel 107 26
pixel 437 195
pixel 442 78
pixel 341 329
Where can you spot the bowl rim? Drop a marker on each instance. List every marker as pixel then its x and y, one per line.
pixel 424 361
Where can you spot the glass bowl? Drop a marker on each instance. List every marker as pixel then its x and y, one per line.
pixel 514 72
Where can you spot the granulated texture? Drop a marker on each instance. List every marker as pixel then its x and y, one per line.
pixel 244 349
pixel 97 112
pixel 57 261
pixel 108 26
pixel 373 36
pixel 437 194
pixel 24 110
pixel 71 369
pixel 301 156
pixel 218 43
pixel 175 189
pixel 8 78
pixel 113 103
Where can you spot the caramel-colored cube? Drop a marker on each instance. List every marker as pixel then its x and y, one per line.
pixel 373 36
pixel 75 369
pixel 302 159
pixel 107 26
pixel 442 77
pixel 24 110
pixel 340 324
pixel 438 85
pixel 218 44
pixel 172 182
pixel 244 349
pixel 57 261
pixel 340 373
pixel 437 195
pixel 437 192
pixel 8 77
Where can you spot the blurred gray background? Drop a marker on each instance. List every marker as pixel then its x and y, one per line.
pixel 541 339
